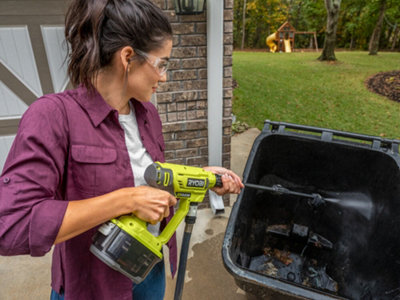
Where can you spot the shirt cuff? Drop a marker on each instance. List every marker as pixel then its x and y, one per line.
pixel 46 220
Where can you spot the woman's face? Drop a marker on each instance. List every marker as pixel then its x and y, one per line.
pixel 144 76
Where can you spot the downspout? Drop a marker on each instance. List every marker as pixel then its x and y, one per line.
pixel 215 60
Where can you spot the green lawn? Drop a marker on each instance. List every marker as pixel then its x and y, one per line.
pixel 296 88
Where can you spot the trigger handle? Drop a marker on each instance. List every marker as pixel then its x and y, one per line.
pixel 218 180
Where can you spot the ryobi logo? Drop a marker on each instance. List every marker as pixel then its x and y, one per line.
pixel 195 182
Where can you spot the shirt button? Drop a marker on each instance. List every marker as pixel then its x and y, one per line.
pixel 6 180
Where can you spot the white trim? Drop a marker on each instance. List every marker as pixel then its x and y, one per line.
pixel 17 56
pixel 11 106
pixel 5 145
pixel 55 47
pixel 215 74
pixel 215 58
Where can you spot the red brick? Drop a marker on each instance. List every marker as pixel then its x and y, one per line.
pixel 171 107
pixel 172 117
pixel 184 75
pixel 201 28
pixel 204 151
pixel 201 113
pixel 173 145
pixel 169 155
pixel 181 115
pixel 191 115
pixel 186 135
pixel 196 125
pixel 181 106
pixel 193 40
pixel 187 153
pixel 184 96
pixel 194 18
pixel 168 86
pixel 184 52
pixel 183 28
pixel 179 161
pixel 196 143
pixel 173 127
pixel 195 84
pixel 194 63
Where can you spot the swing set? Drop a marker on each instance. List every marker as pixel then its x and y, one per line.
pixel 283 39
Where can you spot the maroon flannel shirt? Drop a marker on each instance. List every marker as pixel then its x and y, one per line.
pixel 70 146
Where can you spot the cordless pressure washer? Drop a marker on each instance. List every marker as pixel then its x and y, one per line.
pixel 126 245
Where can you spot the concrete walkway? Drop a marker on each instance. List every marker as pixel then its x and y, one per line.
pixel 24 277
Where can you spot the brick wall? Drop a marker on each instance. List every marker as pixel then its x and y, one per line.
pixel 182 100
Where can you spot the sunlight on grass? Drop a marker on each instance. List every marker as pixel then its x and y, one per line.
pixel 296 88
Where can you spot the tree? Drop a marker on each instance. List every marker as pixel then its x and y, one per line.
pixel 376 35
pixel 395 36
pixel 243 24
pixel 356 22
pixel 332 8
pixel 350 24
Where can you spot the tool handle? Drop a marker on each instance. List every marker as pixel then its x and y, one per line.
pixel 173 224
pixel 182 211
pixel 187 183
pixel 218 181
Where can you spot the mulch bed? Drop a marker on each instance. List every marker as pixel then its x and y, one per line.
pixel 386 84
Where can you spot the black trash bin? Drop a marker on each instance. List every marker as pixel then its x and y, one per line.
pixel 319 217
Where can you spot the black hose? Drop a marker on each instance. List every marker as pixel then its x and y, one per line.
pixel 180 280
pixel 190 220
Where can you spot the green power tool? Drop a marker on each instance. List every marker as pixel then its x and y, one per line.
pixel 126 245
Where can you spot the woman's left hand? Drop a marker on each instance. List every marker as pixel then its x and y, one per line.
pixel 231 182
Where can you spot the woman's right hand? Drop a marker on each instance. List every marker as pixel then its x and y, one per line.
pixel 149 204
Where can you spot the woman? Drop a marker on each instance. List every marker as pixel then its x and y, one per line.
pixel 79 156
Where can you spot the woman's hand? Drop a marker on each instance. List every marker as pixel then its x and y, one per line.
pixel 147 203
pixel 231 182
pixel 150 204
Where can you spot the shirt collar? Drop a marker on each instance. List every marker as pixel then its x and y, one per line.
pixel 140 109
pixel 98 109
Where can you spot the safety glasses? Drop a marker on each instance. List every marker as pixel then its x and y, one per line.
pixel 158 63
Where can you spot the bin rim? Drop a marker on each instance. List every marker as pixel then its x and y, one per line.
pixel 388 147
pixel 391 146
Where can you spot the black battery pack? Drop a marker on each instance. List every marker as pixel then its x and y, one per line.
pixel 123 253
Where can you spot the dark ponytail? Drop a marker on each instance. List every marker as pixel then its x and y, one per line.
pixel 96 29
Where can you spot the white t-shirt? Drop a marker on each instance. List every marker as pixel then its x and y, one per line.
pixel 138 155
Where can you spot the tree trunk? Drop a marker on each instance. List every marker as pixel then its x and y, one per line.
pixel 387 36
pixel 256 40
pixel 376 35
pixel 243 24
pixel 237 24
pixel 332 8
pixel 352 41
pixel 296 23
pixel 396 37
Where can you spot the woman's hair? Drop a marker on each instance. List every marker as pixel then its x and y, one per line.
pixel 96 29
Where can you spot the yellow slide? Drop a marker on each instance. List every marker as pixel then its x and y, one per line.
pixel 270 42
pixel 288 48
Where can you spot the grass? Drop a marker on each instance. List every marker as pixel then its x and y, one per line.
pixel 296 88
